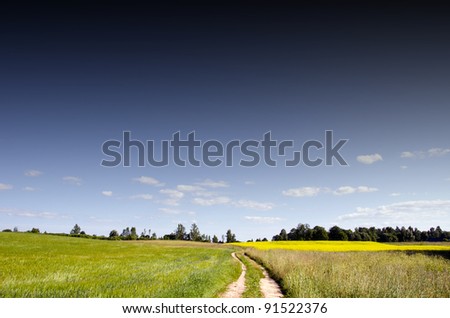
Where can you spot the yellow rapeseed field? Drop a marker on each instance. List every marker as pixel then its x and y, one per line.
pixel 341 246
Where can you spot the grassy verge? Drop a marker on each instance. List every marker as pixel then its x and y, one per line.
pixel 33 265
pixel 357 274
pixel 252 278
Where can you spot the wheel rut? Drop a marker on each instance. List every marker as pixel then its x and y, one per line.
pixel 268 287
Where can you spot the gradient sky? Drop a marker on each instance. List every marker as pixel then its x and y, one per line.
pixel 75 75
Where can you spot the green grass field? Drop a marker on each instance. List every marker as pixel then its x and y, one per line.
pixel 33 265
pixel 334 269
pixel 36 265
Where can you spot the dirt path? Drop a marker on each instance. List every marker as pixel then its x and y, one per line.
pixel 269 288
pixel 237 288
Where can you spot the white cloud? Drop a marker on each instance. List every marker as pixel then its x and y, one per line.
pixel 313 191
pixel 349 190
pixel 206 194
pixel 195 190
pixel 73 180
pixel 171 202
pixel 369 159
pixel 249 182
pixel 395 194
pixel 30 189
pixel 142 196
pixel 33 173
pixel 174 197
pixel 169 211
pixel 302 192
pixel 416 213
pixel 30 213
pixel 407 154
pixel 249 204
pixel 263 219
pixel 211 201
pixel 149 181
pixel 437 152
pixel 189 188
pixel 174 194
pixel 107 193
pixel 432 152
pixel 403 167
pixel 213 184
pixel 4 186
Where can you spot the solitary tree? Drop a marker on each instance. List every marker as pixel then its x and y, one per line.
pixel 230 237
pixel 76 230
pixel 194 234
pixel 133 233
pixel 180 232
pixel 113 234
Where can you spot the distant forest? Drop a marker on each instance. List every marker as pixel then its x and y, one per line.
pixel 303 232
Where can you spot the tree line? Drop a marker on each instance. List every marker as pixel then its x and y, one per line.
pixel 180 233
pixel 303 232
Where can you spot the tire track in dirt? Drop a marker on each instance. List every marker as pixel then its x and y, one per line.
pixel 269 288
pixel 237 288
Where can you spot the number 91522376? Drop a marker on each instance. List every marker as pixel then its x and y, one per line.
pixel 296 308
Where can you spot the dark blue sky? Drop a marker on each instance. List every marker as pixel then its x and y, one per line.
pixel 73 75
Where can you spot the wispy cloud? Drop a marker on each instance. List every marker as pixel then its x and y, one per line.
pixel 174 196
pixel 189 188
pixel 73 180
pixel 349 190
pixel 369 159
pixel 169 211
pixel 33 173
pixel 420 154
pixel 408 154
pixel 213 184
pixel 263 219
pixel 437 152
pixel 402 213
pixel 195 190
pixel 107 193
pixel 30 189
pixel 31 213
pixel 149 181
pixel 302 192
pixel 143 196
pixel 250 204
pixel 314 191
pixel 211 201
pixel 4 186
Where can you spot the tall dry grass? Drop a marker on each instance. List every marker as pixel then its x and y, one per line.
pixel 357 274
